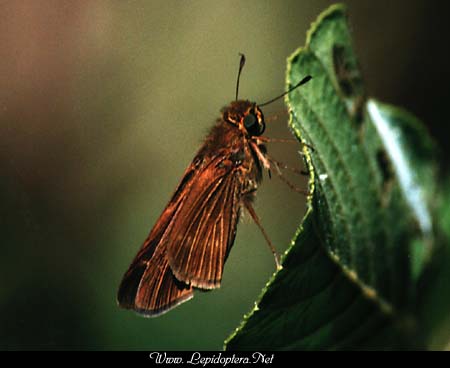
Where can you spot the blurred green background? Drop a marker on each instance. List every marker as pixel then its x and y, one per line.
pixel 102 107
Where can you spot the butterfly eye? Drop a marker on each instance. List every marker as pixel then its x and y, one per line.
pixel 249 121
pixel 253 126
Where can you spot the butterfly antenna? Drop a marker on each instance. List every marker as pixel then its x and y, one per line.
pixel 241 66
pixel 303 81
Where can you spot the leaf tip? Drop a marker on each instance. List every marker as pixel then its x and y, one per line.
pixel 334 11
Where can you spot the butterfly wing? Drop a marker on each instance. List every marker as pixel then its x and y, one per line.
pixel 159 290
pixel 205 226
pixel 188 244
pixel 149 286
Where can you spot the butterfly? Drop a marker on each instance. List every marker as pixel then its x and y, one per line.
pixel 191 240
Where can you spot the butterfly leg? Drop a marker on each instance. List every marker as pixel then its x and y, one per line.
pixel 255 218
pixel 268 163
pixel 284 140
pixel 284 166
pixel 276 165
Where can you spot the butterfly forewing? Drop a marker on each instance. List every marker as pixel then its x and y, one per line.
pixel 190 241
pixel 203 233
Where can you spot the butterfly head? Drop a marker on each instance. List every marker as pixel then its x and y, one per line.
pixel 246 115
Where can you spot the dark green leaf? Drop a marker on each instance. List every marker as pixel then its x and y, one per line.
pixel 350 280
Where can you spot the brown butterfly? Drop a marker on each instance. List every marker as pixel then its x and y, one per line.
pixel 190 242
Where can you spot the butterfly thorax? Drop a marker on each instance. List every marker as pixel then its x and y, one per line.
pixel 234 137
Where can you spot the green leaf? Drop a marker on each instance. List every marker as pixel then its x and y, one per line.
pixel 433 287
pixel 353 276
